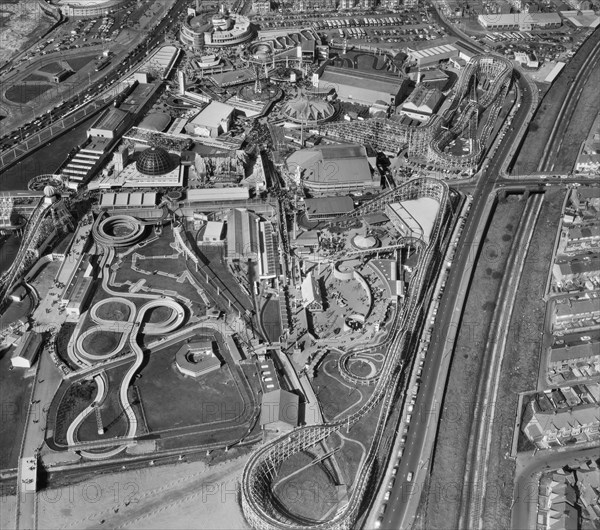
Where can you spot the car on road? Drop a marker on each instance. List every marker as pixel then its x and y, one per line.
pixel 386 497
pixel 409 477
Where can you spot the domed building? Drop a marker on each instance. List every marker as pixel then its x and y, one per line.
pixel 154 161
pixel 157 121
pixel 308 110
pixel 154 167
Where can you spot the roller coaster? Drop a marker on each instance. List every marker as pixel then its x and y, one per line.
pixel 261 507
pixel 480 91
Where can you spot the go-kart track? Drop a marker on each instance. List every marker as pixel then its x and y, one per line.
pixel 130 329
pixel 260 505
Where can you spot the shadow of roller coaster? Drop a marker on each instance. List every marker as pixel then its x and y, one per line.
pixel 262 509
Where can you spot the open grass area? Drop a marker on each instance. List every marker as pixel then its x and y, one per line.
pixel 172 400
pixel 15 391
pixel 336 396
pixel 36 77
pixel 158 314
pixel 113 311
pixel 24 93
pixel 310 493
pixel 450 452
pixel 77 63
pixel 522 356
pixel 52 68
pixel 101 342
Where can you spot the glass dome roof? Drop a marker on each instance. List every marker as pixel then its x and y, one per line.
pixel 154 161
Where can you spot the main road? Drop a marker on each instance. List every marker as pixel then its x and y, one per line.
pixel 405 495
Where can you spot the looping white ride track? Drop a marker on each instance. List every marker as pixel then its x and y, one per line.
pixel 261 508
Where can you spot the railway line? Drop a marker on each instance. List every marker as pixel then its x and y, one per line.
pixel 567 110
pixel 475 481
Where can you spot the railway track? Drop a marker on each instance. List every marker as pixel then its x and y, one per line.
pixel 567 110
pixel 475 481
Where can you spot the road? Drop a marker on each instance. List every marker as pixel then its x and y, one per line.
pixel 404 498
pixel 125 62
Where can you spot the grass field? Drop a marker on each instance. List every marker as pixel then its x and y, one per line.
pixel 77 63
pixel 172 400
pixel 311 493
pixel 113 311
pixel 522 355
pixel 36 77
pixel 441 512
pixel 25 93
pixel 158 314
pixel 52 68
pixel 101 342
pixel 335 396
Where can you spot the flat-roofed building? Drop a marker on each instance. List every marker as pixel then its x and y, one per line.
pixel 213 232
pixel 200 195
pixel 323 208
pixel 279 411
pixel 242 235
pixel 520 21
pixel 79 296
pixel 27 350
pixel 413 218
pixel 432 55
pixel 111 124
pixel 362 87
pixel 334 170
pixel 112 200
pixel 212 121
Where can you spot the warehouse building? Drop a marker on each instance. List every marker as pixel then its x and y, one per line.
pixel 242 235
pixel 520 21
pixel 361 87
pixel 214 120
pixel 422 103
pixel 431 55
pixel 27 350
pixel 323 208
